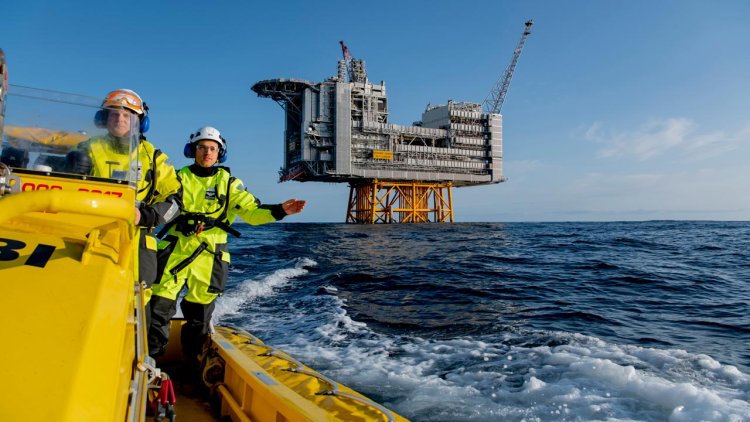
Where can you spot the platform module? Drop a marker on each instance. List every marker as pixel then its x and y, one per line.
pixel 338 131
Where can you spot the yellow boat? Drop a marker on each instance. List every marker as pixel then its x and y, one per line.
pixel 75 346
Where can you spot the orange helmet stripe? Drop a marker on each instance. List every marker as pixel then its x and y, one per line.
pixel 124 98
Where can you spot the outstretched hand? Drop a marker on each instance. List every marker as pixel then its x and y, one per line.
pixel 293 206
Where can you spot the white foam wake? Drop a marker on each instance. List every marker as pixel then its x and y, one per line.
pixel 492 379
pixel 262 286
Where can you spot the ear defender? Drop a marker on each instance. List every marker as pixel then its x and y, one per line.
pixel 189 150
pixel 223 152
pixel 100 118
pixel 145 124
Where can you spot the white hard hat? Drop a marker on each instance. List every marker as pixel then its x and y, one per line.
pixel 206 133
pixel 209 133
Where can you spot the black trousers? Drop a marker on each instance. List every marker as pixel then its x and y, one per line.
pixel 147 312
pixel 196 328
pixel 162 310
pixel 194 332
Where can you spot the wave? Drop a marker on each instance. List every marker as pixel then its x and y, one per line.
pixel 486 322
pixel 263 286
pixel 509 378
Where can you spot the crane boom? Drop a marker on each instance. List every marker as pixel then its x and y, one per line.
pixel 347 60
pixel 494 101
pixel 355 68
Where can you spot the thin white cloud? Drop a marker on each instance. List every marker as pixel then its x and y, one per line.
pixel 596 185
pixel 699 192
pixel 674 135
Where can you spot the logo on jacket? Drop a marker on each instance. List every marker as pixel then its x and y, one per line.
pixel 211 194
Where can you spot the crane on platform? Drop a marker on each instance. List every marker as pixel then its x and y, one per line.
pixel 355 68
pixel 494 101
pixel 347 59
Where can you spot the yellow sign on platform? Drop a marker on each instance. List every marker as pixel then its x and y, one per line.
pixel 382 155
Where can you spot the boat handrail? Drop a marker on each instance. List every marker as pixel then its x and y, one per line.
pixel 68 202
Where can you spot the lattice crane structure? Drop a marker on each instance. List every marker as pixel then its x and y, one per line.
pixel 338 131
pixel 494 101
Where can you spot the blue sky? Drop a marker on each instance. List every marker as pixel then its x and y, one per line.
pixel 618 110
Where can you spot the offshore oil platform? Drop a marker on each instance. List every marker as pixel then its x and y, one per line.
pixel 338 131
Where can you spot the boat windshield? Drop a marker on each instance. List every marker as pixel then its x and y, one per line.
pixel 50 132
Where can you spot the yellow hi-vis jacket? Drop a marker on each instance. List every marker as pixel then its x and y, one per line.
pixel 157 198
pixel 157 179
pixel 157 192
pixel 108 157
pixel 195 249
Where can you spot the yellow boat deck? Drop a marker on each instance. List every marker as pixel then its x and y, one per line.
pixel 259 382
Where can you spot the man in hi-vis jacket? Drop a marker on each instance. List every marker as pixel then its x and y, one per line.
pixel 194 251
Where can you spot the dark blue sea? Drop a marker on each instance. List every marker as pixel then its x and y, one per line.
pixel 616 321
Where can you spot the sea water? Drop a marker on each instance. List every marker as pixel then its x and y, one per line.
pixel 617 321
